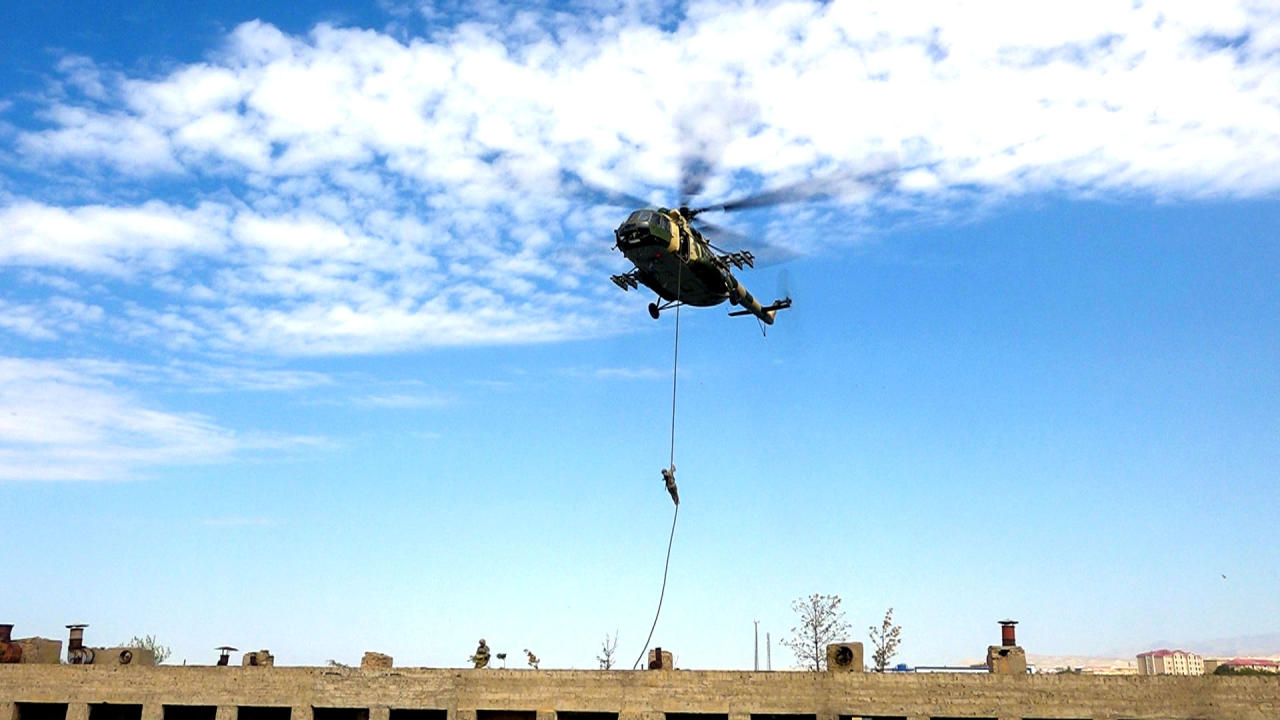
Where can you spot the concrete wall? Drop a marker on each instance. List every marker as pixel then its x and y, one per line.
pixel 642 695
pixel 40 650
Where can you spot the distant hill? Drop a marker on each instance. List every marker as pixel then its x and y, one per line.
pixel 1075 661
pixel 1242 646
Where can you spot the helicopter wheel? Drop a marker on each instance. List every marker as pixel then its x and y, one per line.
pixel 653 310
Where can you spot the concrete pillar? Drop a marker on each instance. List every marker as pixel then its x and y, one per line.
pixel 152 711
pixel 546 715
pixel 226 712
pixel 77 711
pixel 739 716
pixel 463 714
pixel 379 712
pixel 8 710
pixel 300 712
pixel 642 715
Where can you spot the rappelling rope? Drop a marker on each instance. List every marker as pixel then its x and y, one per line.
pixel 675 369
pixel 666 565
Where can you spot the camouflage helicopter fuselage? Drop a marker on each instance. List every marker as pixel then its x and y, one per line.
pixel 676 262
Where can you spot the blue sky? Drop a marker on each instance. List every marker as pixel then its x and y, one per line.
pixel 305 344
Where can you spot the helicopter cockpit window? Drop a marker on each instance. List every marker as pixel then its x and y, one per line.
pixel 639 217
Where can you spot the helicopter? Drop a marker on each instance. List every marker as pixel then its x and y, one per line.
pixel 674 258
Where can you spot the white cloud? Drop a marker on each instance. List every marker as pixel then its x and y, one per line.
pixel 371 193
pixel 827 80
pixel 66 420
pixel 405 401
pixel 49 319
pixel 618 373
pixel 107 239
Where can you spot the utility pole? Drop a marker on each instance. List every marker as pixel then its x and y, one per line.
pixel 757 642
pixel 768 652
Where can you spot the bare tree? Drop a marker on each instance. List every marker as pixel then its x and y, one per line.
pixel 821 622
pixel 885 640
pixel 607 648
pixel 150 642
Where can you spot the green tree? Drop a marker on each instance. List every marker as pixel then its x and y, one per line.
pixel 149 642
pixel 885 640
pixel 821 623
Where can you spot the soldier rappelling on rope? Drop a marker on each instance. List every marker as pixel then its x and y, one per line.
pixel 669 477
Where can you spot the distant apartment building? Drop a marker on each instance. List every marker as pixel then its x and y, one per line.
pixel 1261 664
pixel 1170 662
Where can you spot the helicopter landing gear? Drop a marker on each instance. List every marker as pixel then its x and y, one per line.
pixel 655 309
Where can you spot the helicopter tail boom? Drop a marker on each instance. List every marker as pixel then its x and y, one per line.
pixel 739 295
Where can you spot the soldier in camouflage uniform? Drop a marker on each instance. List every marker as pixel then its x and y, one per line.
pixel 481 658
pixel 669 477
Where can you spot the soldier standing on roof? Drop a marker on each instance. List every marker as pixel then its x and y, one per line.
pixel 669 477
pixel 481 658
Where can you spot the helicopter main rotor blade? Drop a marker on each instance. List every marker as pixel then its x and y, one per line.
pixel 695 168
pixel 767 253
pixel 598 194
pixel 721 234
pixel 810 189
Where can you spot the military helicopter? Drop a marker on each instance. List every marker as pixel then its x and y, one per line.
pixel 674 258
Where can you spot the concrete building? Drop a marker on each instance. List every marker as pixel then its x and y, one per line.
pixel 256 689
pixel 239 692
pixel 1170 662
pixel 1261 664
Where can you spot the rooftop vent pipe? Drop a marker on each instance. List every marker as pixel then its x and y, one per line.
pixel 225 658
pixel 10 652
pixel 1007 637
pixel 77 653
pixel 76 639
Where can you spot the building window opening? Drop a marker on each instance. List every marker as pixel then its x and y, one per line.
pixel 332 713
pixel 41 711
pixel 418 714
pixel 111 711
pixel 506 715
pixel 257 712
pixel 190 712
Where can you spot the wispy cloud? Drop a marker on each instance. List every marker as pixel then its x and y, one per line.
pixel 49 319
pixel 63 421
pixel 619 373
pixel 405 400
